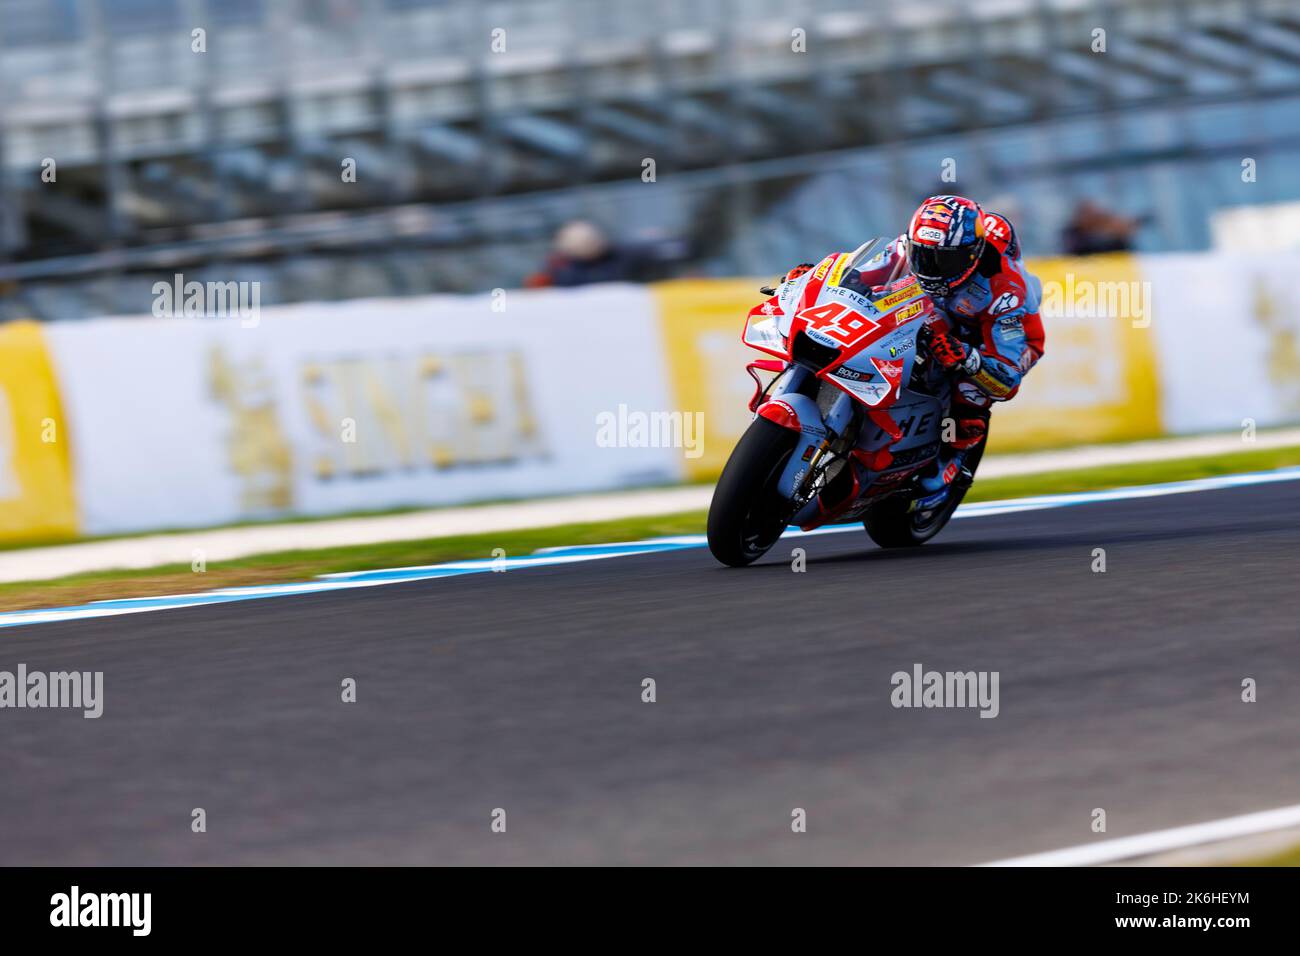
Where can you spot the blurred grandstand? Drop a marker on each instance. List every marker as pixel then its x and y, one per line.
pixel 226 164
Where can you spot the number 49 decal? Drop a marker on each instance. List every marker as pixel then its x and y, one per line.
pixel 844 325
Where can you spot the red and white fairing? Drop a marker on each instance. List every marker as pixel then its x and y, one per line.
pixel 874 332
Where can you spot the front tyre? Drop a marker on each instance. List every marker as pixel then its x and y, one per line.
pixel 747 514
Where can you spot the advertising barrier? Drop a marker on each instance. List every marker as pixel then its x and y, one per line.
pixel 1227 331
pixel 354 406
pixel 36 489
pixel 141 423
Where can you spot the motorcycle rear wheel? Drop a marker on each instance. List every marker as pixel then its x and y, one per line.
pixel 747 515
pixel 891 525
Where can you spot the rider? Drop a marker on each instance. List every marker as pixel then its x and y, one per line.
pixel 969 263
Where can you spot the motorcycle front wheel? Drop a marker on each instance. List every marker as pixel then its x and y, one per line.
pixel 747 515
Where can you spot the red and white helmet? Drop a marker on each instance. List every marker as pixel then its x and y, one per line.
pixel 945 240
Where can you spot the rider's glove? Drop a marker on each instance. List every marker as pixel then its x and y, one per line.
pixel 953 354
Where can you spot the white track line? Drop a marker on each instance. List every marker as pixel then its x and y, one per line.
pixel 375 578
pixel 1160 841
pixel 227 544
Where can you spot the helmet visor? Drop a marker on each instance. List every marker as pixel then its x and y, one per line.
pixel 950 263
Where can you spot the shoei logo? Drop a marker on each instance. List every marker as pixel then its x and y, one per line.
pixel 929 234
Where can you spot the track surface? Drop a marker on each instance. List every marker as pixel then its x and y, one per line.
pixel 522 691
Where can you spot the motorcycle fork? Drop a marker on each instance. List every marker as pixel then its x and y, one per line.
pixel 828 447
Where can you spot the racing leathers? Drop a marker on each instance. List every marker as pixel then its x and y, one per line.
pixel 996 337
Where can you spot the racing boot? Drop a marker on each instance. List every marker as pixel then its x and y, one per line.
pixel 951 463
pixel 946 470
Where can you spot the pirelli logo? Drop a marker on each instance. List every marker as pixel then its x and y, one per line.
pixel 911 312
pixel 909 291
pixel 822 266
pixel 837 272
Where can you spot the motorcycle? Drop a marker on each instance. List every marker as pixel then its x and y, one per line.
pixel 851 420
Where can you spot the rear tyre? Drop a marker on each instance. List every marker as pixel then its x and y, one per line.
pixel 747 515
pixel 891 525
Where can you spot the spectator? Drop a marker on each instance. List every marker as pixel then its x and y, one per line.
pixel 1092 229
pixel 582 254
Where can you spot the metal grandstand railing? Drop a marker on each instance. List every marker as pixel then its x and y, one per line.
pixel 166 156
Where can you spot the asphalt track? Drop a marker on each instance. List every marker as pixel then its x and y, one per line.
pixel 522 690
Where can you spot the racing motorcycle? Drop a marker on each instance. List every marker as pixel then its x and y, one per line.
pixel 851 420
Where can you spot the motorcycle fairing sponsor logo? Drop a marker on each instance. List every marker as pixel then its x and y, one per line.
pixel 891 477
pixel 853 374
pixel 837 324
pixel 911 456
pixel 809 452
pixel 852 296
pixel 791 418
pixel 821 338
pixel 906 425
pixel 820 271
pixel 910 291
pixel 837 272
pixel 870 393
pixel 1004 303
pixel 910 312
pixel 901 344
pixel 787 297
pixel 764 334
pixel 892 370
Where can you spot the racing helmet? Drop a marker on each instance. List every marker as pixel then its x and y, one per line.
pixel 945 240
